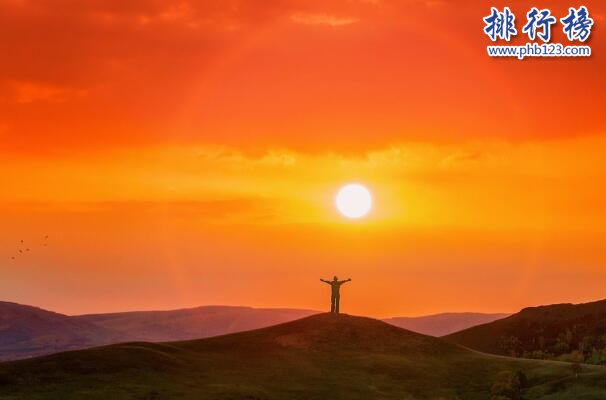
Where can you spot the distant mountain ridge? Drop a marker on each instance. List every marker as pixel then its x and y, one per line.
pixel 543 332
pixel 193 323
pixel 206 321
pixel 444 323
pixel 27 331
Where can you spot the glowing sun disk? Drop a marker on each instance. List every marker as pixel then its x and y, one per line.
pixel 353 200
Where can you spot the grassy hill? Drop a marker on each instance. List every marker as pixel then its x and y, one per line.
pixel 27 331
pixel 324 356
pixel 444 323
pixel 543 332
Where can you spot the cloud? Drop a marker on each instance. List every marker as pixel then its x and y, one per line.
pixel 219 210
pixel 322 19
pixel 462 157
pixel 29 92
pixel 253 75
pixel 414 183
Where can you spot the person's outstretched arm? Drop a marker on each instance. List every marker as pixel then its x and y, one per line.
pixel 345 281
pixel 324 281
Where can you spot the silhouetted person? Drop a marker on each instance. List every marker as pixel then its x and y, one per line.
pixel 335 285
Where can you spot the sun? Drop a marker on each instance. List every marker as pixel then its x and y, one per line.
pixel 353 200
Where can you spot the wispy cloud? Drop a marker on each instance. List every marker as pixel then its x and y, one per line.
pixel 322 19
pixel 30 92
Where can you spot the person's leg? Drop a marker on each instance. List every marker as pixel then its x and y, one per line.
pixel 332 304
pixel 337 304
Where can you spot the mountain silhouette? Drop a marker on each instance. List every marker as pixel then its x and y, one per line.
pixel 323 356
pixel 27 331
pixel 192 323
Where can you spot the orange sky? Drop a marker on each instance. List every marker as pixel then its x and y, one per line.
pixel 180 153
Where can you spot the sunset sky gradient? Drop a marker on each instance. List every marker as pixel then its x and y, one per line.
pixel 182 153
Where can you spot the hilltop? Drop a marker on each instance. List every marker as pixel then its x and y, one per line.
pixel 207 321
pixel 323 356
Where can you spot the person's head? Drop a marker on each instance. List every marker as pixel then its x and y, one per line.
pixel 334 278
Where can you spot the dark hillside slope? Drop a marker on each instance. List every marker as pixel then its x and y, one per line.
pixel 324 356
pixel 540 331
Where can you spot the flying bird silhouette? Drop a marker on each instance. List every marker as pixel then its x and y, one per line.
pixel 21 249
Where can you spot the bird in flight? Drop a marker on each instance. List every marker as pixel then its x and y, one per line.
pixel 28 249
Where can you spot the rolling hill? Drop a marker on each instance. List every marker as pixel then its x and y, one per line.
pixel 541 332
pixel 27 331
pixel 323 356
pixel 192 323
pixel 443 324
